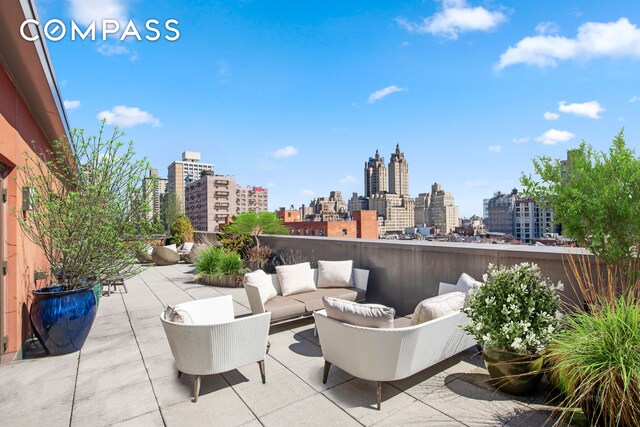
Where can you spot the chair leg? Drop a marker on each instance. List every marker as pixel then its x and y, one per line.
pixel 327 366
pixel 125 287
pixel 179 373
pixel 196 389
pixel 379 393
pixel 262 372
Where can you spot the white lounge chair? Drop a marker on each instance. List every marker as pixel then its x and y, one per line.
pixel 390 354
pixel 215 341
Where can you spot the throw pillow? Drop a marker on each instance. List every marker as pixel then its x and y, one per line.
pixel 176 314
pixel 439 306
pixel 172 247
pixel 335 274
pixel 465 283
pixel 369 316
pixel 187 246
pixel 295 279
pixel 262 281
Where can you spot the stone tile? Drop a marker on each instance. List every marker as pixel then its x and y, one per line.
pixel 172 390
pixel 472 405
pixel 315 410
pixel 151 419
pixel 282 389
pixel 50 367
pixel 112 324
pixel 161 366
pixel 531 417
pixel 251 372
pixel 119 404
pixel 289 351
pixel 159 347
pixel 102 356
pixel 417 414
pixel 311 373
pixel 358 398
pixel 102 381
pixel 220 408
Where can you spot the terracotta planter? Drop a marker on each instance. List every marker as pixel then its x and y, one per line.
pixel 511 372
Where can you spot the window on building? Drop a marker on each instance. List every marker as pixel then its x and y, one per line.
pixel 321 232
pixel 313 232
pixel 306 231
pixel 344 231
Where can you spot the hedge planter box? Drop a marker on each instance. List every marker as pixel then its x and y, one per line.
pixel 221 281
pixel 62 319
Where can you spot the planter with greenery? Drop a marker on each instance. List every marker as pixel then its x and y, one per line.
pixel 87 210
pixel 513 316
pixel 257 257
pixel 216 267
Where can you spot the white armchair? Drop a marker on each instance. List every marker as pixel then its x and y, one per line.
pixel 215 341
pixel 390 354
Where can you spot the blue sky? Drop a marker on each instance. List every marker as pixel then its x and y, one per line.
pixel 297 95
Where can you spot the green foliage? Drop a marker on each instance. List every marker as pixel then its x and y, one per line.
pixel 595 196
pixel 237 243
pixel 598 358
pixel 89 205
pixel 256 223
pixel 181 230
pixel 170 209
pixel 156 226
pixel 215 261
pixel 516 309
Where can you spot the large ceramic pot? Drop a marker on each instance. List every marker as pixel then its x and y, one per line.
pixel 511 372
pixel 62 319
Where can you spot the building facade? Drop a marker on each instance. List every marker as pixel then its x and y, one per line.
pixel 364 225
pixel 532 221
pixel 500 212
pixel 182 173
pixel 375 176
pixel 421 210
pixel 357 203
pixel 252 199
pixel 442 212
pixel 211 201
pixel 154 187
pixel 398 173
pixel 395 213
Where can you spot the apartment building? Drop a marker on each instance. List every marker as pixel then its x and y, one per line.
pixel 442 212
pixel 211 201
pixel 154 187
pixel 254 199
pixel 364 225
pixel 182 173
pixel 531 221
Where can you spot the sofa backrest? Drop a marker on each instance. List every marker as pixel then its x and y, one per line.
pixel 360 279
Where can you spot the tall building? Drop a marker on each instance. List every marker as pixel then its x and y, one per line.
pixel 332 204
pixel 395 213
pixel 398 173
pixel 254 199
pixel 182 173
pixel 159 186
pixel 421 210
pixel 210 201
pixel 442 213
pixel 500 212
pixel 357 203
pixel 532 221
pixel 375 176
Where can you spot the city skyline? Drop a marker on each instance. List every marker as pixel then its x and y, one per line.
pixel 292 97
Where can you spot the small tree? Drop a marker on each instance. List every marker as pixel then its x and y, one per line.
pixel 182 230
pixel 595 196
pixel 88 206
pixel 170 209
pixel 254 224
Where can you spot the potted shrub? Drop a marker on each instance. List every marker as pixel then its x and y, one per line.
pixel 513 316
pixel 216 267
pixel 257 257
pixel 87 211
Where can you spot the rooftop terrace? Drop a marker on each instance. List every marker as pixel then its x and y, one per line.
pixel 125 375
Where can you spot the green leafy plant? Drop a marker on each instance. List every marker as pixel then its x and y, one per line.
pixel 595 196
pixel 182 230
pixel 515 310
pixel 88 206
pixel 237 243
pixel 230 264
pixel 170 209
pixel 216 262
pixel 597 356
pixel 208 260
pixel 256 223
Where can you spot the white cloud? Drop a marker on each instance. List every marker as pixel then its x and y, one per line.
pixel 594 40
pixel 634 99
pixel 554 136
pixel 522 140
pixel 307 193
pixel 283 152
pixel 84 12
pixel 591 109
pixel 349 179
pixel 477 183
pixel 110 50
pixel 455 17
pixel 379 94
pixel 494 148
pixel 71 105
pixel 551 116
pixel 124 116
pixel 549 27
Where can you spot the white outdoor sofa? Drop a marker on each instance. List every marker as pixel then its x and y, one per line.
pixel 304 304
pixel 215 341
pixel 391 354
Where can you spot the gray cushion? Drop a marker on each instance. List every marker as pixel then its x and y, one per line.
pixel 283 307
pixel 402 322
pixel 335 274
pixel 350 294
pixel 358 314
pixel 439 306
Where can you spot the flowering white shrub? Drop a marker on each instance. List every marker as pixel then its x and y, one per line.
pixel 516 309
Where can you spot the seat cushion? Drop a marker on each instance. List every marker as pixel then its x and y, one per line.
pixel 282 307
pixel 402 322
pixel 335 274
pixel 358 314
pixel 439 306
pixel 312 300
pixel 349 294
pixel 295 279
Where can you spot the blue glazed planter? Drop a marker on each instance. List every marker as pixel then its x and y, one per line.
pixel 62 319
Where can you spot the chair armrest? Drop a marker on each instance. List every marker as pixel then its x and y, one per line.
pixel 360 278
pixel 210 310
pixel 255 302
